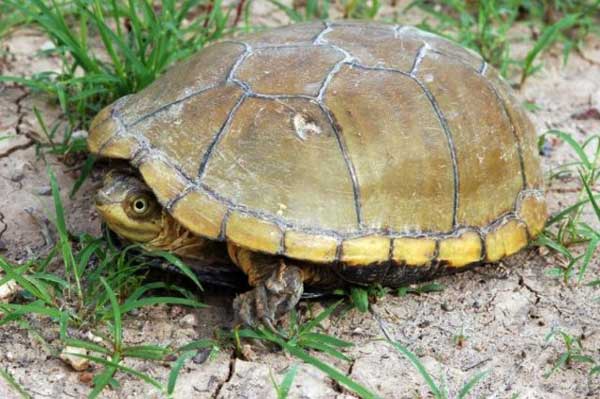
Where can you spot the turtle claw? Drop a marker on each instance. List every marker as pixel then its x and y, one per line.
pixel 271 299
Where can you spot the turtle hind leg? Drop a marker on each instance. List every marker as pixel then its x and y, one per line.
pixel 277 288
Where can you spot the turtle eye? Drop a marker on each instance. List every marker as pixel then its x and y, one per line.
pixel 140 205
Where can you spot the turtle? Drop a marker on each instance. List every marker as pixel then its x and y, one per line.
pixel 323 154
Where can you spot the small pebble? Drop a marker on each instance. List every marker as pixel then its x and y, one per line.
pixel 17 176
pixel 79 134
pixel 44 191
pixel 170 358
pixel 357 331
pixel 86 377
pixel 248 353
pixel 47 46
pixel 189 320
pixel 8 291
pixel 78 363
pixel 201 356
pixel 9 356
pixel 94 338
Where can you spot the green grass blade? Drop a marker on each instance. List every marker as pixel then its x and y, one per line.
pixel 157 300
pixel 171 383
pixel 148 352
pixel 309 326
pixel 14 384
pixel 590 195
pixel 471 384
pixel 116 313
pixel 29 283
pixel 567 138
pixel 91 346
pixel 331 371
pixel 546 39
pixel 283 389
pixel 116 364
pixel 83 175
pixel 360 298
pixel 175 261
pixel 414 360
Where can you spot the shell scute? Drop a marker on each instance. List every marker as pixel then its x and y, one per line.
pixel 251 232
pixel 202 71
pixel 505 240
pixel 287 71
pixel 485 148
pixel 375 47
pixel 414 251
pixel 524 129
pixel 201 214
pixel 443 46
pixel 462 250
pixel 185 131
pixel 392 136
pixel 281 158
pixel 301 245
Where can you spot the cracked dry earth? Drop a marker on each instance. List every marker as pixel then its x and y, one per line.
pixel 501 313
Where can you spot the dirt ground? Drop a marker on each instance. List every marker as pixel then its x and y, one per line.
pixel 493 318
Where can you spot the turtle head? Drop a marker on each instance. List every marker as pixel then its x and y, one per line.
pixel 129 207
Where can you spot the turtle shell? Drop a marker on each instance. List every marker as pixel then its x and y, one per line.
pixel 347 142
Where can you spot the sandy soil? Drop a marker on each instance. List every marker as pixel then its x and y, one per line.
pixel 494 318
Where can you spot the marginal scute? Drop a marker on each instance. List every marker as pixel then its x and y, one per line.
pixel 287 70
pixel 102 129
pixel 533 211
pixel 413 251
pixel 461 251
pixel 165 181
pixel 253 233
pixel 200 214
pixel 505 240
pixel 366 250
pixel 318 248
pixel 487 155
pixel 120 147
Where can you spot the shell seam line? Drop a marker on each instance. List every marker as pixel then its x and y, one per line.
pixel 218 137
pixel 338 134
pixel 326 29
pixel 172 103
pixel 418 59
pixel 445 128
pixel 483 68
pixel 514 133
pixel 349 164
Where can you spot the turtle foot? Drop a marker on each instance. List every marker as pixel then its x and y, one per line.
pixel 271 299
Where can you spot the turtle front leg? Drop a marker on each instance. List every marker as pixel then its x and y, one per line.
pixel 277 288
